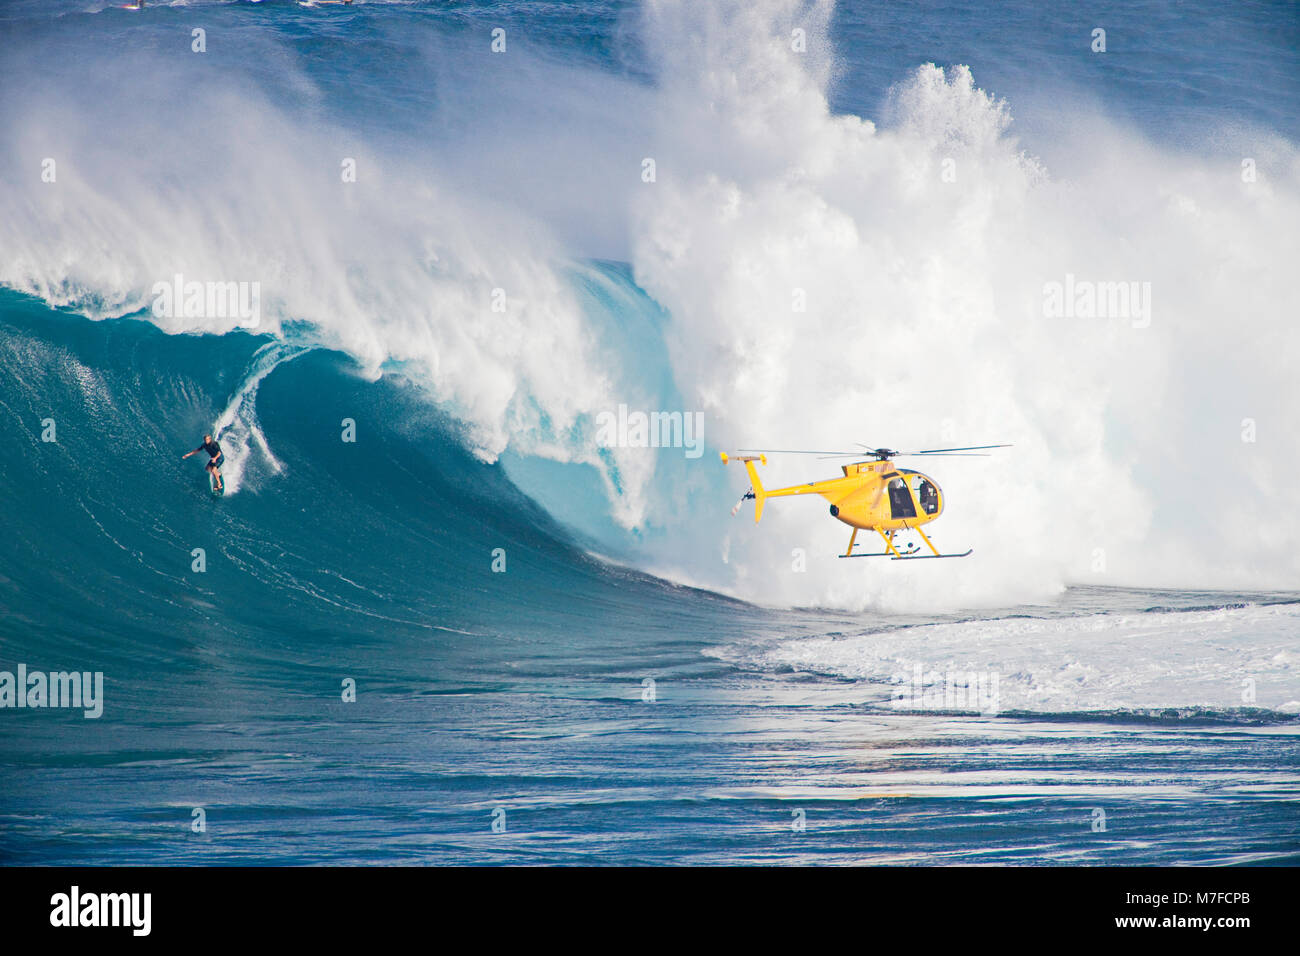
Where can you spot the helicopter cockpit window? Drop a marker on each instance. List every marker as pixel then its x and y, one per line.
pixel 927 495
pixel 900 500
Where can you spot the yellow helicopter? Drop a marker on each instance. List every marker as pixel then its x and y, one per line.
pixel 873 494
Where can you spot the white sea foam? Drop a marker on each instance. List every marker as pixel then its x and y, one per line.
pixel 925 323
pixel 238 429
pixel 1218 660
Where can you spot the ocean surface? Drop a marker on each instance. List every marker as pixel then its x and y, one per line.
pixel 434 621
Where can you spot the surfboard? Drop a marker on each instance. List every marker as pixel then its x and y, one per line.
pixel 212 483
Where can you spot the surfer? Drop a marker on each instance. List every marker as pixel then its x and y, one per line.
pixel 215 459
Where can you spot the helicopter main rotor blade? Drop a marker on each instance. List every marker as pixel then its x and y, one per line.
pixel 940 451
pixel 879 454
pixel 910 454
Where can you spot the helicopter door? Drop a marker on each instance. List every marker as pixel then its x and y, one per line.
pixel 900 500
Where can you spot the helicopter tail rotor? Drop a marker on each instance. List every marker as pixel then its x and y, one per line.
pixel 747 496
pixel 756 488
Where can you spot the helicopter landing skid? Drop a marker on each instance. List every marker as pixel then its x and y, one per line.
pixel 894 554
pixel 906 557
pixel 931 557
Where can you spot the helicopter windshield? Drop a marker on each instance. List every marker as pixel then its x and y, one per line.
pixel 927 494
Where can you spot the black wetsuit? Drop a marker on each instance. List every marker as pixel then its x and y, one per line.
pixel 213 450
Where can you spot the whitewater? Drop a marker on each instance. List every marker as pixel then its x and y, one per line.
pixel 799 224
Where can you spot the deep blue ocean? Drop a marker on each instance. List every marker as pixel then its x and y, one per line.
pixel 470 636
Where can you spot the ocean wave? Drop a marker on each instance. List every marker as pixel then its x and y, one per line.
pixel 798 275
